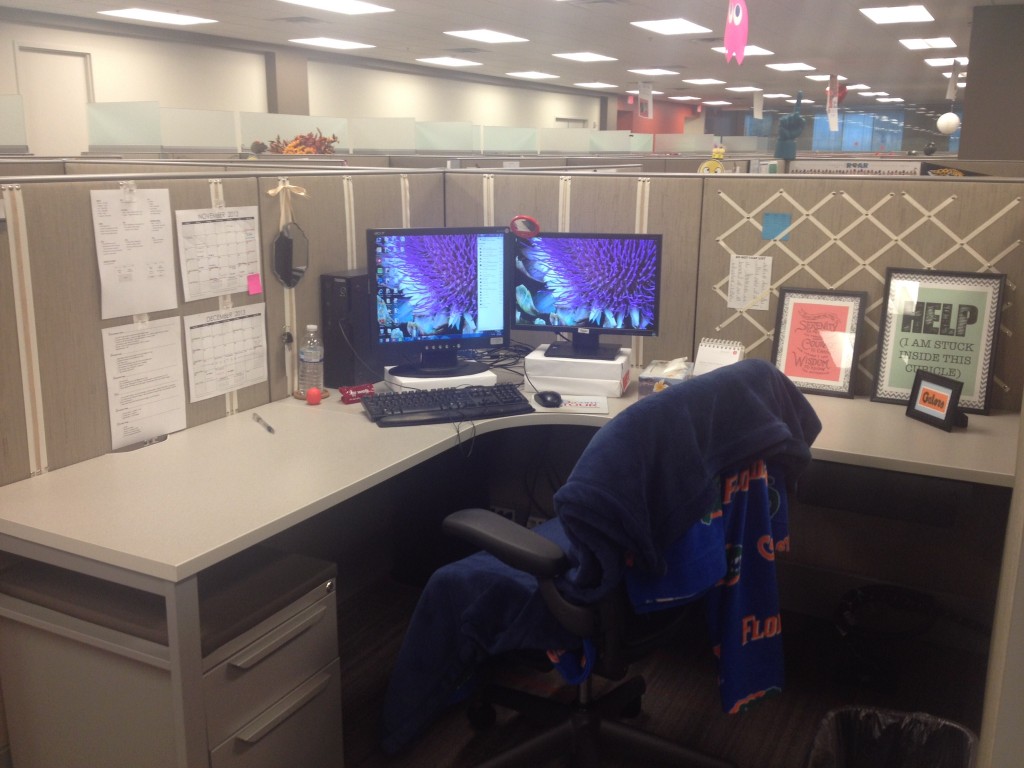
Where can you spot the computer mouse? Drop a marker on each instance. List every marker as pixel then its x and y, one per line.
pixel 548 399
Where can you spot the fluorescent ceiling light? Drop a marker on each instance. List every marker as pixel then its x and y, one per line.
pixel 750 50
pixel 802 101
pixel 743 88
pixel 653 93
pixel 717 103
pixel 873 93
pixel 921 44
pixel 948 75
pixel 824 78
pixel 705 81
pixel 586 56
pixel 450 61
pixel 671 27
pixel 158 17
pixel 653 72
pixel 487 36
pixel 858 87
pixel 777 96
pixel 348 7
pixel 595 85
pixel 330 42
pixel 947 62
pixel 791 67
pixel 685 98
pixel 902 14
pixel 890 99
pixel 532 75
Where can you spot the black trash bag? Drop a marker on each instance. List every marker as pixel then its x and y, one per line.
pixel 858 737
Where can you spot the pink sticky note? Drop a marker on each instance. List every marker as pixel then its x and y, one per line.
pixel 255 286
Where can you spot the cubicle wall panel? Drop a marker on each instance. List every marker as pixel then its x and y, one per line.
pixel 14 451
pixel 66 291
pixel 334 213
pixel 590 202
pixel 842 233
pixel 674 212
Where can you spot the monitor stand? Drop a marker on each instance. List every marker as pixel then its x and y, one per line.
pixel 397 381
pixel 584 346
pixel 439 368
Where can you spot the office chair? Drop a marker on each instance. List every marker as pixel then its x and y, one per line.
pixel 587 726
pixel 641 525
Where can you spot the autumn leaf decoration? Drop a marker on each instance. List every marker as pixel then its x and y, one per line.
pixel 304 144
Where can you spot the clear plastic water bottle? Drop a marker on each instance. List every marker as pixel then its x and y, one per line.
pixel 311 361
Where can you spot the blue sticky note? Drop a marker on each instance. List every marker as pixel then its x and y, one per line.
pixel 774 224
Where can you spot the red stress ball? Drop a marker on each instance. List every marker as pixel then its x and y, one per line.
pixel 313 396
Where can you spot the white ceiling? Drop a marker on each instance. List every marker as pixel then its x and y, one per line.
pixel 830 35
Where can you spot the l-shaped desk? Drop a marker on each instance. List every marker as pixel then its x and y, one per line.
pixel 155 518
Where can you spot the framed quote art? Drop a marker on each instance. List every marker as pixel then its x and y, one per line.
pixel 942 323
pixel 815 341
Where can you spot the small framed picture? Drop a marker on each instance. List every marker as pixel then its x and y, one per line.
pixel 935 400
pixel 815 342
pixel 946 323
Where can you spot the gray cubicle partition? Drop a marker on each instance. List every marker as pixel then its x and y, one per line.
pixel 843 233
pixel 589 202
pixel 62 404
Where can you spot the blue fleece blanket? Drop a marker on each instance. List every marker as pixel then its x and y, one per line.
pixel 652 472
pixel 644 479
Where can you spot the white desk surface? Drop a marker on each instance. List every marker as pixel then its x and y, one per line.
pixel 173 508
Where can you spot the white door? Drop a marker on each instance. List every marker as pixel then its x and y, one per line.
pixel 55 87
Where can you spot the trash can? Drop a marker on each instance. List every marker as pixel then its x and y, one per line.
pixel 859 737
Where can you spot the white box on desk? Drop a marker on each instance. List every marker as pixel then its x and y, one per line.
pixel 573 376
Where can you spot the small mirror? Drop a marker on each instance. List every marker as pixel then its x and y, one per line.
pixel 291 254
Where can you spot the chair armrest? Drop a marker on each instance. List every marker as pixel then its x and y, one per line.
pixel 526 551
pixel 508 541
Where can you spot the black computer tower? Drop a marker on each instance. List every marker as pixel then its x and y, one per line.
pixel 345 311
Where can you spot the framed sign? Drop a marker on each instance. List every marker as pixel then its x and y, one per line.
pixel 944 323
pixel 935 400
pixel 815 341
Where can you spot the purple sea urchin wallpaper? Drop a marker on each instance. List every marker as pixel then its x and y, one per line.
pixel 439 285
pixel 608 282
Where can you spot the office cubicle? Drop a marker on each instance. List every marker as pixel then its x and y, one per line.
pixel 844 233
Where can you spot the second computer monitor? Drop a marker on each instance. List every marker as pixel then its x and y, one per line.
pixel 587 285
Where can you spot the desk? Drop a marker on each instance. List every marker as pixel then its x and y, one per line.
pixel 155 518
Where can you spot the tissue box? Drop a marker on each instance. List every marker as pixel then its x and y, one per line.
pixel 654 378
pixel 579 377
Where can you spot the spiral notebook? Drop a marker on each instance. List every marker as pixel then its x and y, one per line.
pixel 714 353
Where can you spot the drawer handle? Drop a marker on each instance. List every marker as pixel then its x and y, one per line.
pixel 287 632
pixel 284 709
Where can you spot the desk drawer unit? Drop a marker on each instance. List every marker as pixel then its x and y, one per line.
pixel 86 676
pixel 257 676
pixel 302 729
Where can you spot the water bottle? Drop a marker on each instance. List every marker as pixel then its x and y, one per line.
pixel 311 361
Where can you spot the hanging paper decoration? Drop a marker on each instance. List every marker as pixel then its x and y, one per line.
pixel 736 23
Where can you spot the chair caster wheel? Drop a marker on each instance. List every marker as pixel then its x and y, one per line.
pixel 481 716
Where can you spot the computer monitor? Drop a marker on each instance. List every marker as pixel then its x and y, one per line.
pixel 438 292
pixel 587 285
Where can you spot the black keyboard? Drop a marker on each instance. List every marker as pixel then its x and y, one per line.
pixel 435 406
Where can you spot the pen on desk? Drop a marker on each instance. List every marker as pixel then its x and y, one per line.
pixel 259 420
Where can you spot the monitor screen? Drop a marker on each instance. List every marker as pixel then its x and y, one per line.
pixel 438 292
pixel 587 285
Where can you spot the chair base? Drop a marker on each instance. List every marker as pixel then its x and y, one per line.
pixel 585 732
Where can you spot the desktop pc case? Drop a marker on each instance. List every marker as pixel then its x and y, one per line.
pixel 345 316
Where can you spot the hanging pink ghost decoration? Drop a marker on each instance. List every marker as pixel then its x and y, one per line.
pixel 736 24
